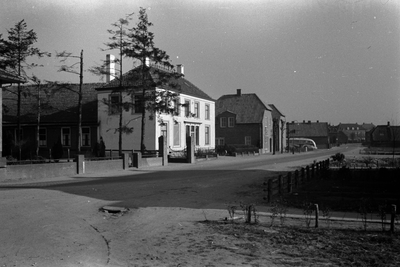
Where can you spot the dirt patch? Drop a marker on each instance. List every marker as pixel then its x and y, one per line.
pixel 293 245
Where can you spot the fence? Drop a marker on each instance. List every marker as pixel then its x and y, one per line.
pixel 286 184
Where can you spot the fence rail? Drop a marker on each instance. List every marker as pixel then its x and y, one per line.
pixel 286 184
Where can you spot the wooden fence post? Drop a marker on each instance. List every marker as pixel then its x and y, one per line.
pixel 289 176
pixel 313 171
pixel 296 178
pixel 302 176
pixel 316 215
pixel 308 173
pixel 270 190
pixel 392 218
pixel 280 182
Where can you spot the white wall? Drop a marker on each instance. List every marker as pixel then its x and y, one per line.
pixel 109 123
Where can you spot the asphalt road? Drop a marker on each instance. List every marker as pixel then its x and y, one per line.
pixel 205 185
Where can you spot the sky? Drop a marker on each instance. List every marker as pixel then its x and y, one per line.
pixel 335 61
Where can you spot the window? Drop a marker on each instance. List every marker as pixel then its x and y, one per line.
pixel 42 137
pixel 220 141
pixel 231 122
pixel 177 136
pixel 86 136
pixel 197 110
pixel 187 108
pixel 115 101
pixel 177 108
pixel 207 112
pixel 247 140
pixel 138 104
pixel 66 136
pixel 222 121
pixel 193 131
pixel 207 135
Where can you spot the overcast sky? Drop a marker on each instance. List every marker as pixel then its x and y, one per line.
pixel 328 60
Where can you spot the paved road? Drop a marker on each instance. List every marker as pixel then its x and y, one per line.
pixel 206 185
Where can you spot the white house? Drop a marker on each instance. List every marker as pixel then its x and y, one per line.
pixel 196 118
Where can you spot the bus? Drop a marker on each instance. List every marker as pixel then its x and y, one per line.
pixel 302 144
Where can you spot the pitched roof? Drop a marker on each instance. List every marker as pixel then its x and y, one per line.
pixel 308 129
pixel 275 110
pixel 368 126
pixel 8 77
pixel 58 105
pixel 248 107
pixel 132 78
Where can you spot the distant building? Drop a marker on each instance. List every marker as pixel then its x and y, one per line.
pixel 354 132
pixel 385 136
pixel 317 131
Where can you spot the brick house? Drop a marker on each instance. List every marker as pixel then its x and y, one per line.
pixel 58 120
pixel 244 119
pixel 353 131
pixel 385 136
pixel 317 131
pixel 195 118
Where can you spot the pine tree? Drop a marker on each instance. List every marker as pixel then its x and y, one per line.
pixel 143 50
pixel 119 41
pixel 14 53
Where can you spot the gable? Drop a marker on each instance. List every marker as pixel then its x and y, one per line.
pixel 247 107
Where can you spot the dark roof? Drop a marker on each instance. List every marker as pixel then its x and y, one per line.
pixel 8 77
pixel 308 129
pixel 248 107
pixel 275 110
pixel 368 126
pixel 58 105
pixel 132 78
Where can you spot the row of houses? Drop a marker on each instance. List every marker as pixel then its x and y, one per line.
pixel 237 118
pixel 232 119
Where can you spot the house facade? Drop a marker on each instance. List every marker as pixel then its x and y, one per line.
pixel 244 119
pixel 354 132
pixel 385 136
pixel 317 131
pixel 58 120
pixel 194 115
pixel 279 126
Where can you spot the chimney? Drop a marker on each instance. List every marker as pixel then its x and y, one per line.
pixel 147 62
pixel 388 123
pixel 317 121
pixel 110 67
pixel 180 69
pixel 238 92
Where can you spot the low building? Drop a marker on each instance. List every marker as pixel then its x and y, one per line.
pixel 317 131
pixel 385 136
pixel 57 119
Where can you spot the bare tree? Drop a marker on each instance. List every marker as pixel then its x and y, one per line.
pixel 72 69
